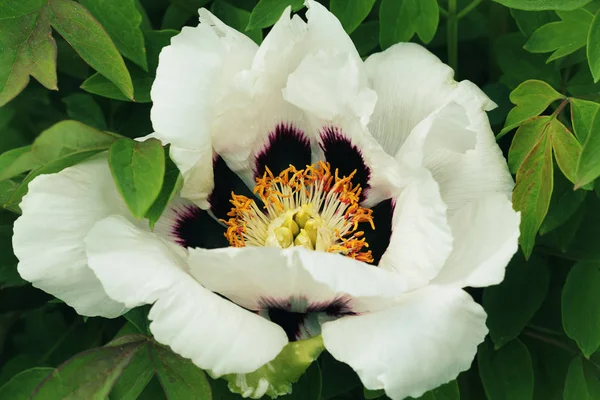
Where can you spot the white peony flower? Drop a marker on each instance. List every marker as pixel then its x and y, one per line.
pixel 355 199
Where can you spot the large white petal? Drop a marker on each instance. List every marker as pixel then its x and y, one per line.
pixel 192 73
pixel 252 275
pixel 423 341
pixel 421 239
pixel 486 234
pixel 138 267
pixel 58 211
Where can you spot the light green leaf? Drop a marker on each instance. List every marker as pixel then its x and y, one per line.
pixel 88 375
pixel 7 188
pixel 178 376
pixel 69 137
pixel 567 149
pixel 172 183
pixel 83 108
pixel 533 191
pixel 526 137
pixel 581 306
pixel 138 169
pixel 563 37
pixel 122 20
pixel 280 373
pixel 531 98
pixel 267 12
pixel 351 12
pixel 513 303
pixel 506 374
pixel 537 5
pixel 235 17
pixel 582 117
pixel 401 19
pixel 90 40
pixel 17 161
pixel 588 168
pixel 26 47
pixel 135 377
pixel 142 81
pixel 593 47
pixel 448 391
pixel 22 385
pixel 529 21
pixel 563 205
pixel 582 381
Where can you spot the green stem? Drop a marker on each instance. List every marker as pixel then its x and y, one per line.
pixel 469 8
pixel 452 35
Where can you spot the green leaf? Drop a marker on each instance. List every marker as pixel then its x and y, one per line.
pixel 531 98
pixel 308 386
pixel 528 134
pixel 537 5
pixel 506 374
pixel 563 37
pixel 22 385
pixel 581 306
pixel 582 381
pixel 582 117
pixel 235 17
pixel 513 303
pixel 175 17
pixel 373 394
pixel 401 19
pixel 448 391
pixel 135 377
pixel 172 183
pixel 26 47
pixel 529 21
pixel 351 12
pixel 178 376
pixel 588 167
pixel 567 149
pixel 16 161
pixel 67 138
pixel 83 108
pixel 142 81
pixel 338 377
pixel 88 375
pixel 138 169
pixel 90 40
pixel 138 317
pixel 581 85
pixel 9 277
pixel 593 47
pixel 563 205
pixel 267 12
pixel 366 37
pixel 285 369
pixel 122 20
pixel 533 191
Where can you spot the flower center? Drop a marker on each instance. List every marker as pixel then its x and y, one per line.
pixel 310 207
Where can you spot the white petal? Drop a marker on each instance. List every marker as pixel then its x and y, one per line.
pixel 196 167
pixel 58 211
pixel 486 234
pixel 422 342
pixel 214 333
pixel 253 274
pixel 137 267
pixel 421 238
pixel 411 83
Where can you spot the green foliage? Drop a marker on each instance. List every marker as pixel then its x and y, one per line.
pixel 536 5
pixel 401 19
pixel 267 12
pixel 582 382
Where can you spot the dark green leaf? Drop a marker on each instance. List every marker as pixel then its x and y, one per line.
pixel 172 183
pixel 179 377
pixel 373 394
pixel 582 381
pixel 581 85
pixel 83 108
pixel 563 37
pixel 351 12
pixel 138 169
pixel 15 162
pixel 175 17
pixel 122 20
pixel 138 317
pixel 536 5
pixel 581 306
pixel 582 117
pixel 22 385
pixel 308 386
pixel 563 205
pixel 511 304
pixel 8 262
pixel 529 21
pixel 192 6
pixel 448 391
pixel 235 17
pixel 267 12
pixel 90 40
pixel 588 168
pixel 506 374
pixel 135 377
pixel 533 191
pixel 401 19
pixel 285 369
pixel 531 98
pixel 26 47
pixel 338 377
pixel 89 375
pixel 593 47
pixel 366 37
